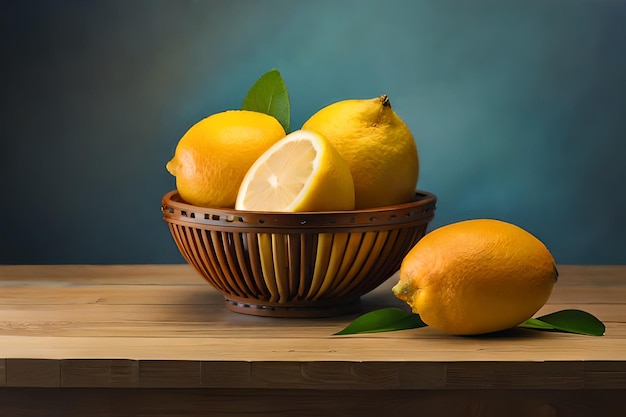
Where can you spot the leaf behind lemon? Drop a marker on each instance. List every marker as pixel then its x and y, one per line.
pixel 269 95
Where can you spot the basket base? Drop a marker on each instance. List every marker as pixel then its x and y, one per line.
pixel 308 310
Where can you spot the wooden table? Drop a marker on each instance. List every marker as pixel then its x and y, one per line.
pixel 156 340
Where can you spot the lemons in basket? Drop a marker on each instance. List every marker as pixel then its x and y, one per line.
pixel 476 276
pixel 213 156
pixel 301 172
pixel 378 146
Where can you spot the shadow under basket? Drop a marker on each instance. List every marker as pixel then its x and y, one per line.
pixel 296 264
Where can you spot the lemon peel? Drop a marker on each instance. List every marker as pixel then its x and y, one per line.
pixel 378 146
pixel 476 276
pixel 213 156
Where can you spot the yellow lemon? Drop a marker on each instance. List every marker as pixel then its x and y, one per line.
pixel 213 156
pixel 301 172
pixel 378 146
pixel 476 276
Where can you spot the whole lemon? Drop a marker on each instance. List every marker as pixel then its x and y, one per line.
pixel 213 156
pixel 476 276
pixel 378 146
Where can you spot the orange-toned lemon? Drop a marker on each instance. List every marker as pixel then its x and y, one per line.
pixel 213 156
pixel 476 276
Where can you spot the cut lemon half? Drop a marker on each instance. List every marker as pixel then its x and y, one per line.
pixel 301 172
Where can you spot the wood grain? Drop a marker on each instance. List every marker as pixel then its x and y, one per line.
pixel 160 331
pixel 159 402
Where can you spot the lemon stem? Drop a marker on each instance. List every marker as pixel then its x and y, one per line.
pixel 384 101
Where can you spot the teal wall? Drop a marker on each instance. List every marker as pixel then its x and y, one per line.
pixel 518 109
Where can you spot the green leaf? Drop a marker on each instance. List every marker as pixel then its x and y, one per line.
pixel 383 320
pixel 536 324
pixel 568 321
pixel 269 95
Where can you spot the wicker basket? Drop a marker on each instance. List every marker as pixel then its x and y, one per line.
pixel 296 264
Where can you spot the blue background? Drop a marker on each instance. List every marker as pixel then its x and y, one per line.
pixel 518 109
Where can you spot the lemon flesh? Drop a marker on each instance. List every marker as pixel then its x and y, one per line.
pixel 301 172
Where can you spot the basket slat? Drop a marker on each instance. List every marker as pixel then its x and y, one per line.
pixel 231 265
pixel 279 256
pixel 255 263
pixel 202 261
pixel 244 263
pixel 212 261
pixel 324 247
pixel 307 260
pixel 352 250
pixel 267 265
pixel 332 278
pixel 293 254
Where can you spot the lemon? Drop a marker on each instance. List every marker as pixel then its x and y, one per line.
pixel 476 276
pixel 378 146
pixel 213 156
pixel 301 172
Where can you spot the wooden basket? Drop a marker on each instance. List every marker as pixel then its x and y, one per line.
pixel 296 264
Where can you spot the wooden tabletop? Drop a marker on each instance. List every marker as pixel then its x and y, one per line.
pixel 163 326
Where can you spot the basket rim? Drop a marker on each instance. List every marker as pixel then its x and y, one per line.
pixel 420 210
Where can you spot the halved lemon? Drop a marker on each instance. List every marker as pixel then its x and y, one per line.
pixel 301 172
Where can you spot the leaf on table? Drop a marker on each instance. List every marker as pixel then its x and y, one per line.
pixel 568 321
pixel 269 95
pixel 383 320
pixel 394 319
pixel 536 324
